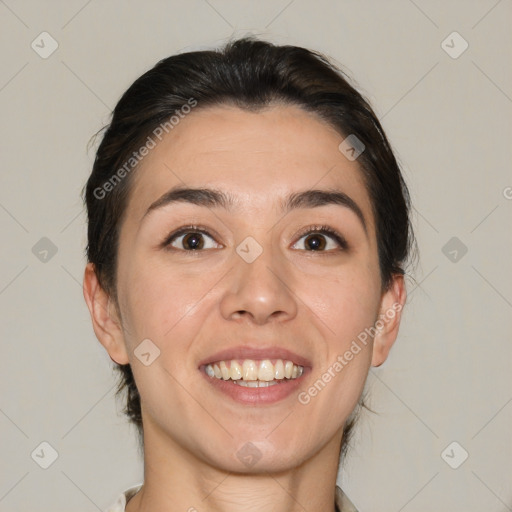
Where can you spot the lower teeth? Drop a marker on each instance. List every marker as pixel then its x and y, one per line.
pixel 255 383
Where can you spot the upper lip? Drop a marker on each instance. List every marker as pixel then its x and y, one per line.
pixel 259 353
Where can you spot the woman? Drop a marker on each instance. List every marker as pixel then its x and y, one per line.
pixel 248 227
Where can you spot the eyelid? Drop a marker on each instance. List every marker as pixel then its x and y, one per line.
pixel 191 228
pixel 325 230
pixel 317 228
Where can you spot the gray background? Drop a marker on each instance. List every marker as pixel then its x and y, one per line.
pixel 448 377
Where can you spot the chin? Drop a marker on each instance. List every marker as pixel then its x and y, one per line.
pixel 254 457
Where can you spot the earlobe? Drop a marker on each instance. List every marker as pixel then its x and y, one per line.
pixel 105 322
pixel 388 322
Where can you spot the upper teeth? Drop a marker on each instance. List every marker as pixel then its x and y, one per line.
pixel 254 370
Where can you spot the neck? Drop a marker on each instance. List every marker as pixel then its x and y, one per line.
pixel 175 480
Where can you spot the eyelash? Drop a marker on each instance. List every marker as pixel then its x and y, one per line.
pixel 316 229
pixel 326 230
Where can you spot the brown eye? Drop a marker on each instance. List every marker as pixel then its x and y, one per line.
pixel 193 241
pixel 190 240
pixel 322 239
pixel 315 242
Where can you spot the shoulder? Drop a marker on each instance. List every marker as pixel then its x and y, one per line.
pixel 122 500
pixel 343 503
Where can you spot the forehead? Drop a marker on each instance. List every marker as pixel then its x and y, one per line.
pixel 258 157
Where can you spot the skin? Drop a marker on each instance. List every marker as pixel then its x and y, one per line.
pixel 192 304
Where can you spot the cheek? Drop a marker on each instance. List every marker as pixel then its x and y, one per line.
pixel 158 297
pixel 347 306
pixel 346 302
pixel 164 306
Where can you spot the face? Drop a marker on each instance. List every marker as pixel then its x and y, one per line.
pixel 259 278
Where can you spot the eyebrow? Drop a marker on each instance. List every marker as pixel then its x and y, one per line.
pixel 212 198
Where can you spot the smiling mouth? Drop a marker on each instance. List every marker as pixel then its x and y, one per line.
pixel 253 373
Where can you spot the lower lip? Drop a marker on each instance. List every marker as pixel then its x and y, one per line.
pixel 256 396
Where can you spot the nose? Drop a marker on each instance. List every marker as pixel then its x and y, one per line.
pixel 260 291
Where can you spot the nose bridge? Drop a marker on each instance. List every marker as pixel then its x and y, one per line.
pixel 258 287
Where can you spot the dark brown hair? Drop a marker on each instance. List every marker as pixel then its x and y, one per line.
pixel 250 74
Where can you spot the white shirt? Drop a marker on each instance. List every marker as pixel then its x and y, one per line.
pixel 342 502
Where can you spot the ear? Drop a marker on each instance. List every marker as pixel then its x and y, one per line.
pixel 105 320
pixel 392 303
